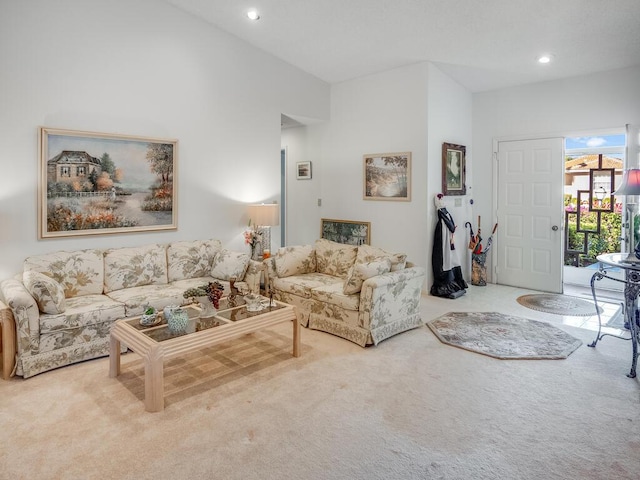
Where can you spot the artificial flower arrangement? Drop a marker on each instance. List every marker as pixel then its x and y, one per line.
pixel 252 237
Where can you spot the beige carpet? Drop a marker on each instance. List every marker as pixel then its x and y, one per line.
pixel 410 408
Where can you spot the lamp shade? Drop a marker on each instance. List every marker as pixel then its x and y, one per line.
pixel 265 214
pixel 630 183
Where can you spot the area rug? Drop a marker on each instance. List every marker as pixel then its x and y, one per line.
pixel 503 336
pixel 559 304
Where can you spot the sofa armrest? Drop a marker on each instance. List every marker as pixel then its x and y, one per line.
pixel 8 336
pixel 391 295
pixel 25 314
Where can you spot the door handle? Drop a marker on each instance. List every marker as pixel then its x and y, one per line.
pixel 554 228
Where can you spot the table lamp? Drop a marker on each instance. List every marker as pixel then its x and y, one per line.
pixel 631 187
pixel 264 216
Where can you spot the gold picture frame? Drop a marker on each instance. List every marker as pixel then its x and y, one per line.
pixel 99 183
pixel 346 231
pixel 387 176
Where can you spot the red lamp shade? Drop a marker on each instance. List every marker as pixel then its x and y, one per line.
pixel 630 183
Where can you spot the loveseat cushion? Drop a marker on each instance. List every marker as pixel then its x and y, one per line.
pixel 360 272
pixel 368 253
pixel 295 260
pixel 334 258
pixel 47 293
pixel 80 272
pixel 81 312
pixel 228 264
pixel 134 267
pixel 302 285
pixel 191 259
pixel 334 295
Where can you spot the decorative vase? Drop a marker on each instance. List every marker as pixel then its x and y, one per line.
pixel 178 320
pixel 207 308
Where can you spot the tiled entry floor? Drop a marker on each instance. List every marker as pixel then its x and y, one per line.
pixel 611 303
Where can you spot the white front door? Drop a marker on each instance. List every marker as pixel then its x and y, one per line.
pixel 530 215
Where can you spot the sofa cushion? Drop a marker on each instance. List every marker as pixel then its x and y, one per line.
pixel 334 295
pixel 81 312
pixel 295 260
pixel 302 285
pixel 334 258
pixel 136 299
pixel 80 272
pixel 47 293
pixel 134 267
pixel 367 253
pixel 228 264
pixel 360 272
pixel 191 259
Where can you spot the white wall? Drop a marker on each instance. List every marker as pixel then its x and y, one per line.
pixel 449 122
pixel 381 113
pixel 143 68
pixel 578 105
pixel 303 213
pixel 413 108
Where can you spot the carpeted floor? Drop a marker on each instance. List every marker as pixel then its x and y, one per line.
pixel 503 336
pixel 559 304
pixel 409 408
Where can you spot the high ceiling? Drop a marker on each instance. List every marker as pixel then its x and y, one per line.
pixel 483 44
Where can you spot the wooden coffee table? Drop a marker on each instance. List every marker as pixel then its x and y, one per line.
pixel 157 344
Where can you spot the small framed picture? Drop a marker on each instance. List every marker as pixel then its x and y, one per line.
pixel 453 169
pixel 303 170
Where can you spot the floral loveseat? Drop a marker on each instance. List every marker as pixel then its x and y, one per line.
pixel 61 307
pixel 363 294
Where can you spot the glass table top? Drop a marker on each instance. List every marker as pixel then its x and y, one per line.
pixel 226 314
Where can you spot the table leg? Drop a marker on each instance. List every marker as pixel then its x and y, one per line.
pixel 296 337
pixel 154 381
pixel 633 329
pixel 631 291
pixel 114 357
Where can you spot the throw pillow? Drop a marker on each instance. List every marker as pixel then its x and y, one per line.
pixel 228 264
pixel 367 253
pixel 360 272
pixel 295 260
pixel 48 294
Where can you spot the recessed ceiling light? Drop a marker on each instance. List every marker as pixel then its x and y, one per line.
pixel 544 59
pixel 253 14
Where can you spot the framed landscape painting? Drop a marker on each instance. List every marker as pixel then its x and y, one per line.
pixel 98 183
pixel 387 176
pixel 346 231
pixel 453 169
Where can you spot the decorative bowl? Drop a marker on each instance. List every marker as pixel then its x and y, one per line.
pixel 254 302
pixel 150 320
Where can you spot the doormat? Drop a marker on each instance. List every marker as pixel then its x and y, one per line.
pixel 559 304
pixel 503 336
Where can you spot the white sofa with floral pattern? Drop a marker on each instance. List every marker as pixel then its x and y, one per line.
pixel 61 307
pixel 363 294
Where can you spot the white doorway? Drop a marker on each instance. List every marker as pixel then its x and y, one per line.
pixel 529 212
